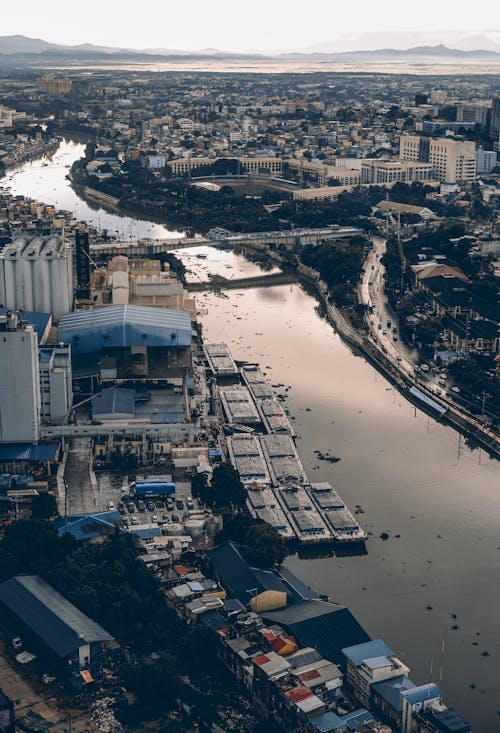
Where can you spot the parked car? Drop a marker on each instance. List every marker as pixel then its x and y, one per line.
pixel 179 504
pixel 151 506
pixel 134 519
pixel 176 518
pixel 141 505
pixel 189 503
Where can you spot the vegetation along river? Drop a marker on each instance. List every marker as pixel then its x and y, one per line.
pixel 437 575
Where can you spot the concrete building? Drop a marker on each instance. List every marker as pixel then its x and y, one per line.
pixel 56 390
pixel 486 160
pixel 476 112
pixel 368 664
pixel 379 171
pixel 451 160
pixel 19 384
pixel 55 84
pixel 36 273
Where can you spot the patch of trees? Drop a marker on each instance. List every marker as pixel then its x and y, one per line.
pixel 339 265
pixel 168 659
pixel 258 542
pixel 224 490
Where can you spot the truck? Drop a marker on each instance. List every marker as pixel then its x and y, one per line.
pixel 150 487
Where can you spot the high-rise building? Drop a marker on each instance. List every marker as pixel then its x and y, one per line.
pixel 477 112
pixel 495 118
pixel 486 160
pixel 452 160
pixel 36 273
pixel 55 84
pixel 19 382
pixel 438 96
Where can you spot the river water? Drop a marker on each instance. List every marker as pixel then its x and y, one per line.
pixel 437 577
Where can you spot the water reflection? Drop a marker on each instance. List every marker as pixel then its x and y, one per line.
pixel 430 504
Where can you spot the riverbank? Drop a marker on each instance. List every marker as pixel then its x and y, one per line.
pixel 415 480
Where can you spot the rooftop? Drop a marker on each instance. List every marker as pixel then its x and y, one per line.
pixel 49 615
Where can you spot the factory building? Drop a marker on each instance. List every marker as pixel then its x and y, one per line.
pixel 36 383
pixel 36 273
pixel 129 342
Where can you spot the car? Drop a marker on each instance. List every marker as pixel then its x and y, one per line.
pixel 170 505
pixel 141 506
pixel 131 506
pixel 166 517
pixel 399 357
pixel 189 503
pixel 384 331
pixel 151 506
pixel 155 518
pixel 160 505
pixel 379 326
pixel 111 506
pixel 394 338
pixel 179 504
pixel 176 518
pixel 455 389
pixel 134 519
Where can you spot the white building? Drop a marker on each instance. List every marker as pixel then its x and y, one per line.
pixel 452 160
pixel 36 273
pixel 19 382
pixel 379 171
pixel 486 160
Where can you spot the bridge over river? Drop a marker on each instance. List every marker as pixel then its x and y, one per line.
pixel 217 282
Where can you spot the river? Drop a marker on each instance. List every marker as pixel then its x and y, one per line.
pixel 437 575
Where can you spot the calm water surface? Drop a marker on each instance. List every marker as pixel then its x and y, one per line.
pixel 411 477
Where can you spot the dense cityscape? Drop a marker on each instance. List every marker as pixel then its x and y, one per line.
pixel 164 537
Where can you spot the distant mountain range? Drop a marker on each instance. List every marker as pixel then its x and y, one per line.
pixel 21 49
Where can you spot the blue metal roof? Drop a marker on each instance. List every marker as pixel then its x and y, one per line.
pixel 359 653
pixel 124 325
pixel 392 691
pixel 28 452
pixel 328 722
pixel 89 526
pixel 423 693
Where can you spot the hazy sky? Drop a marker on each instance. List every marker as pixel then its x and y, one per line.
pixel 236 24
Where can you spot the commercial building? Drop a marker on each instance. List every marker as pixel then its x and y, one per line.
pixel 486 160
pixel 379 171
pixel 55 84
pixel 36 273
pixel 451 160
pixel 57 630
pixel 56 387
pixel 477 112
pixel 368 664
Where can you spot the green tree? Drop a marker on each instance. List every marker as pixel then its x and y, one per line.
pixel 44 506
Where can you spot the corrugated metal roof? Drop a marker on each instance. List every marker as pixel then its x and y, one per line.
pixel 321 625
pixel 124 325
pixel 371 649
pixel 423 693
pixel 28 452
pixel 49 615
pixel 392 691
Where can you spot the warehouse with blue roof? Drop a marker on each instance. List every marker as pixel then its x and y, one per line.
pixel 134 342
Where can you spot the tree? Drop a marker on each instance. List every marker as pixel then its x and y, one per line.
pixel 44 506
pixel 226 486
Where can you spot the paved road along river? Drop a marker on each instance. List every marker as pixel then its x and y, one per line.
pixel 437 575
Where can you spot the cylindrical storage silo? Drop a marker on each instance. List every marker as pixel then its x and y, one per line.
pixel 174 530
pixel 194 527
